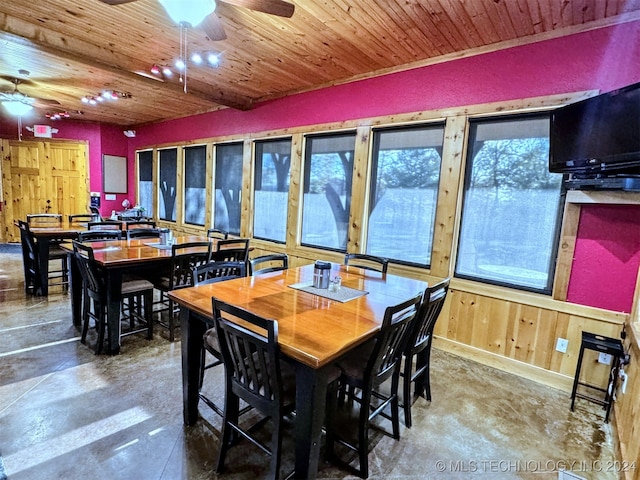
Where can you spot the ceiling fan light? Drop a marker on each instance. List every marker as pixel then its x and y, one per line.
pixel 196 58
pixel 166 71
pixel 191 12
pixel 213 59
pixel 180 64
pixel 16 108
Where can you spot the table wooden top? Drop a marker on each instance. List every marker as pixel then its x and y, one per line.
pixel 121 253
pixel 312 329
pixel 54 228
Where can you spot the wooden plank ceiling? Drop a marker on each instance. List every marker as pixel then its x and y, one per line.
pixel 72 48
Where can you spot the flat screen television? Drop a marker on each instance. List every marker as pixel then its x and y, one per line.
pixel 599 136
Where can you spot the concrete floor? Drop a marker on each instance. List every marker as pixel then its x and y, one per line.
pixel 67 413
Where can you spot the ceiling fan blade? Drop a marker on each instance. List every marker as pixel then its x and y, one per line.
pixel 116 2
pixel 272 7
pixel 212 27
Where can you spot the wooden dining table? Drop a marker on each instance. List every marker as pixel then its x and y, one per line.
pixel 143 256
pixel 313 333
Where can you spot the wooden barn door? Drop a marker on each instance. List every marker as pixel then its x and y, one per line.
pixel 42 177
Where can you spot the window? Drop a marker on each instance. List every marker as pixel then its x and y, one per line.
pixel 228 187
pixel 512 204
pixel 328 173
pixel 404 193
pixel 271 195
pixel 145 181
pixel 195 193
pixel 168 160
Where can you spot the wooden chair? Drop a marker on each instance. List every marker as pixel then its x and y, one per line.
pixel 364 370
pixel 419 347
pixel 368 262
pixel 83 218
pixel 29 260
pixel 143 233
pixel 136 293
pixel 214 272
pixel 216 233
pixel 59 276
pixel 184 257
pixel 268 263
pixel 44 219
pixel 139 224
pixel 97 213
pixel 254 374
pixel 231 250
pixel 105 225
pixel 98 235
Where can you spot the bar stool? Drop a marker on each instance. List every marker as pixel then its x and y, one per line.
pixel 601 344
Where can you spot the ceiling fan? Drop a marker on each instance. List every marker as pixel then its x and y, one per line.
pixel 17 103
pixel 204 16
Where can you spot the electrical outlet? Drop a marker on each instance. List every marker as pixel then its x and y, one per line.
pixel 604 358
pixel 562 344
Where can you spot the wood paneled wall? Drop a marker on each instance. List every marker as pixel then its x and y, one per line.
pixel 41 177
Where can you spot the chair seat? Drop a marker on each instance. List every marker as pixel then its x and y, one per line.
pixel 56 252
pixel 135 285
pixel 351 365
pixel 211 342
pixel 163 283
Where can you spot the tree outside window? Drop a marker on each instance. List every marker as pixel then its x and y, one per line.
pixel 328 174
pixel 145 181
pixel 168 160
pixel 271 194
pixel 228 187
pixel 195 194
pixel 512 205
pixel 404 193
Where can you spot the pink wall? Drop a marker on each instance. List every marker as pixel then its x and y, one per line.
pixel 603 60
pixel 607 257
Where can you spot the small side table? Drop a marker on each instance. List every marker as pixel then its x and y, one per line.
pixel 601 344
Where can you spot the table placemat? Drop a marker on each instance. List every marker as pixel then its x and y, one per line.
pixel 162 246
pixel 344 294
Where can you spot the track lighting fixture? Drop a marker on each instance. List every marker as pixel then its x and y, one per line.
pixel 105 95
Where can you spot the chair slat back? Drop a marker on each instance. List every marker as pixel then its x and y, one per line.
pixel 44 219
pixel 83 218
pixel 232 250
pixel 217 233
pixel 105 225
pixel 144 232
pixel 140 224
pixel 184 257
pixel 391 339
pixel 97 235
pixel 367 262
pixel 432 303
pixel 92 278
pixel 213 272
pixel 29 256
pixel 268 263
pixel 251 356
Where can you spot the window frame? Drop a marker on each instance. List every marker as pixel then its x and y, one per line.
pixel 373 167
pixel 257 171
pixel 467 170
pixel 306 180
